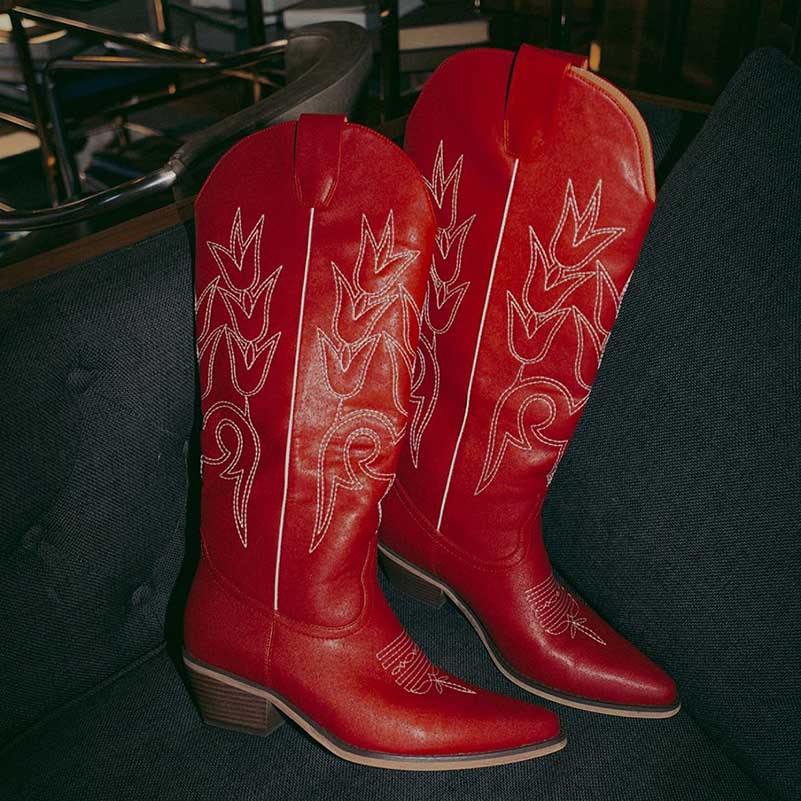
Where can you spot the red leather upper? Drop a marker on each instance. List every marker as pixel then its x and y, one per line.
pixel 542 181
pixel 559 256
pixel 313 244
pixel 284 204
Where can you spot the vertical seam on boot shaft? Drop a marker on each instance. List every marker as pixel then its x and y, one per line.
pixel 322 632
pixel 319 631
pixel 287 452
pixel 479 337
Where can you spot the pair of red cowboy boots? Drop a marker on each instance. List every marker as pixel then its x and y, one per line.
pixel 369 338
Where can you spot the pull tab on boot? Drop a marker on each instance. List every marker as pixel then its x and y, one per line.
pixel 318 141
pixel 531 98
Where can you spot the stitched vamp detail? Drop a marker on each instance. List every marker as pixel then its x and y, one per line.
pixel 557 611
pixel 412 669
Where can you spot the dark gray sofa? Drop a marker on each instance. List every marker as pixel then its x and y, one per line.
pixel 676 512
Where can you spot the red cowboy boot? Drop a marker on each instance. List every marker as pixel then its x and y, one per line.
pixel 312 245
pixel 543 194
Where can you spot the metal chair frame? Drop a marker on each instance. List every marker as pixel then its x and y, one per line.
pixel 48 120
pixel 323 63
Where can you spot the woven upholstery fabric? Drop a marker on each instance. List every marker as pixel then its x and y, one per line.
pixel 677 509
pixel 663 125
pixel 95 415
pixel 147 742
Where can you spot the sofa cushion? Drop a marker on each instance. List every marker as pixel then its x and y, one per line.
pixel 95 414
pixel 140 738
pixel 677 508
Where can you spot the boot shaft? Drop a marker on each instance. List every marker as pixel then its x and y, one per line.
pixel 312 245
pixel 543 193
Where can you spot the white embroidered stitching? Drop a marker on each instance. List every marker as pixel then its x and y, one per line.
pixel 397 351
pixel 242 476
pixel 384 256
pixel 234 255
pixel 249 356
pixel 584 232
pixel 350 426
pixel 443 295
pixel 413 671
pixel 341 364
pixel 206 354
pixel 242 307
pixel 204 300
pixel 534 322
pixel 345 357
pixel 516 431
pixel 247 359
pixel 557 610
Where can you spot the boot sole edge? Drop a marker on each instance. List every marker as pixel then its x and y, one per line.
pixel 541 691
pixel 357 755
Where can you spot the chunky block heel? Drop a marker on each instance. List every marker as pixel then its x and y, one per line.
pixel 411 584
pixel 228 706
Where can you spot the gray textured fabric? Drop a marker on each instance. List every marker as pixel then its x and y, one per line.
pixel 663 125
pixel 95 414
pixel 677 509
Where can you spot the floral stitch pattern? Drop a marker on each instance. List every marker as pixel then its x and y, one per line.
pixel 444 294
pixel 356 440
pixel 244 343
pixel 551 315
pixel 557 611
pixel 413 671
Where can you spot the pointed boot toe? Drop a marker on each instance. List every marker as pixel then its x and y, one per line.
pixel 542 638
pixel 639 686
pixel 577 659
